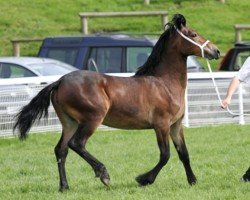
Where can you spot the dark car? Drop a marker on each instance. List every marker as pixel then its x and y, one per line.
pixel 235 57
pixel 102 53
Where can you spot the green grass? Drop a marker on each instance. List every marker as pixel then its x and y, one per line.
pixel 219 156
pixel 41 18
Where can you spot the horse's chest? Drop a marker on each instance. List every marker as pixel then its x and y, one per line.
pixel 179 111
pixel 170 108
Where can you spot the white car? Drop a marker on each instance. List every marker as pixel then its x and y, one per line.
pixel 14 69
pixel 19 67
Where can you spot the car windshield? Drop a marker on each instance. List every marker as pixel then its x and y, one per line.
pixel 67 55
pixel 50 69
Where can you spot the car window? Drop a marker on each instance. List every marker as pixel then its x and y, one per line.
pixel 14 71
pixel 107 59
pixel 240 59
pixel 67 55
pixel 136 57
pixel 50 69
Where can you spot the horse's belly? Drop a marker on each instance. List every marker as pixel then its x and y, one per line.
pixel 126 125
pixel 124 121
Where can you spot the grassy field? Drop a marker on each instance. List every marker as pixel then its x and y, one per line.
pixel 41 18
pixel 219 156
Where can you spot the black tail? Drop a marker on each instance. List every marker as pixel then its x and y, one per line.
pixel 37 108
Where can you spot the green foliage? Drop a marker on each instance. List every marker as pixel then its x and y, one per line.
pixel 42 18
pixel 219 157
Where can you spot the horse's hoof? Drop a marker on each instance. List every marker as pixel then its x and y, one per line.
pixel 192 180
pixel 245 179
pixel 64 188
pixel 104 177
pixel 144 180
pixel 105 181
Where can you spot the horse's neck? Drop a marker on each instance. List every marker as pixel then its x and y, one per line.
pixel 173 70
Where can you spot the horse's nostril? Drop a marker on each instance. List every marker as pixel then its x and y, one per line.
pixel 218 52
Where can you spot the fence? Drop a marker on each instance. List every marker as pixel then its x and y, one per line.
pixel 84 16
pixel 16 44
pixel 202 108
pixel 238 28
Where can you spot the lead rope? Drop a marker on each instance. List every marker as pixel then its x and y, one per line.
pixel 218 94
pixel 217 90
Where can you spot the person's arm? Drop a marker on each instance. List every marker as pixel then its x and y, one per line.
pixel 230 91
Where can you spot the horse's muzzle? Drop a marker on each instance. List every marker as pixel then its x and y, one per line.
pixel 216 53
pixel 213 53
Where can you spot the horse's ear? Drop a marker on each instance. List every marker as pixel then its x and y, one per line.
pixel 179 21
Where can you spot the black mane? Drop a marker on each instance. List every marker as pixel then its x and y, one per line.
pixel 148 68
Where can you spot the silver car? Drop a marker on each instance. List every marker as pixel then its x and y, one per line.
pixel 19 67
pixel 12 94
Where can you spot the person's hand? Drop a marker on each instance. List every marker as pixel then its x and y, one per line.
pixel 225 103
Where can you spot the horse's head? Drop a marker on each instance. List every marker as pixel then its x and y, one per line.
pixel 177 41
pixel 190 42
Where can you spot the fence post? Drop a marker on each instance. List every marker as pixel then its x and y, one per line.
pixel 186 117
pixel 16 48
pixel 164 20
pixel 241 109
pixel 16 44
pixel 84 25
pixel 237 35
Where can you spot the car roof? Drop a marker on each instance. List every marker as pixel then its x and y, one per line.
pixel 242 44
pixel 27 60
pixel 98 40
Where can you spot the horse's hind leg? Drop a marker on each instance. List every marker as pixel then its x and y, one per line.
pixel 177 136
pixel 61 150
pixel 163 143
pixel 69 127
pixel 77 143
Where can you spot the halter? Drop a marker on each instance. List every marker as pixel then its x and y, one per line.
pixel 193 42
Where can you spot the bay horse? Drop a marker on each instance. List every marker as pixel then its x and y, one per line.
pixel 151 99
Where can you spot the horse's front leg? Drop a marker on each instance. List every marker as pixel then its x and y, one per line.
pixel 180 146
pixel 162 134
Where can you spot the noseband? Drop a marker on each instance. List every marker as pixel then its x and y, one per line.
pixel 193 42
